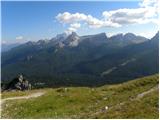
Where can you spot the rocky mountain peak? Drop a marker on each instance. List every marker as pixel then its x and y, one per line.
pixel 61 36
pixel 117 36
pixel 72 40
pixel 73 35
pixel 155 39
pixel 129 35
pixel 40 42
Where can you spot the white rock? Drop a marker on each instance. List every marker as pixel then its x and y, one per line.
pixel 105 98
pixel 106 107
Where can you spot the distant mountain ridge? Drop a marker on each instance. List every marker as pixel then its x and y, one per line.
pixel 6 47
pixel 81 60
pixel 73 39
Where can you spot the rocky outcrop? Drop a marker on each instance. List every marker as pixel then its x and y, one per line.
pixel 18 83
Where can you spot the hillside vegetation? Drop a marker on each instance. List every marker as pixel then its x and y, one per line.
pixel 134 99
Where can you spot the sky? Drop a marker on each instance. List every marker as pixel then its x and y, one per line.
pixel 34 20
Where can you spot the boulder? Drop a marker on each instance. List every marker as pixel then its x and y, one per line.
pixel 19 83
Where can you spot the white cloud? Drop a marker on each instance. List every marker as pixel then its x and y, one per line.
pixel 75 25
pixel 73 28
pixel 67 17
pixel 19 37
pixel 96 23
pixel 147 12
pixel 146 3
pixel 70 30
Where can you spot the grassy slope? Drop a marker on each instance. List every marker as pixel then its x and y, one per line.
pixel 83 102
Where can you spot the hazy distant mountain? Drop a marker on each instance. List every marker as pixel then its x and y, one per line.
pixel 83 60
pixel 6 47
pixel 126 39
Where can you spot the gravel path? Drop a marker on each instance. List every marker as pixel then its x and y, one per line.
pixel 146 92
pixel 33 95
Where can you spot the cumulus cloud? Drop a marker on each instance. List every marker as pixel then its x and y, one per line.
pixel 69 18
pixel 75 25
pixel 147 12
pixel 19 37
pixel 146 3
pixel 97 23
pixel 73 28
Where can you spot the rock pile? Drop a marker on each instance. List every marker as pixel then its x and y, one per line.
pixel 19 83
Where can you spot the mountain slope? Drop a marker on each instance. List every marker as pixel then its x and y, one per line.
pixel 7 47
pixel 82 60
pixel 134 99
pixel 129 62
pixel 126 39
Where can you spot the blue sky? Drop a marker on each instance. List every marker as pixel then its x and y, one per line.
pixel 31 21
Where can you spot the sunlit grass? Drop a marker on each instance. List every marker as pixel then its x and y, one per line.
pixel 84 102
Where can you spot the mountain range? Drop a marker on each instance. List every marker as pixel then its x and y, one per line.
pixel 90 60
pixel 6 47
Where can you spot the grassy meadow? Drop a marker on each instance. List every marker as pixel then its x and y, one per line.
pixel 85 102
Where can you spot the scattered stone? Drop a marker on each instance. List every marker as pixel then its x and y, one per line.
pixel 106 108
pixel 92 89
pixel 65 89
pixel 105 98
pixel 103 110
pixel 62 90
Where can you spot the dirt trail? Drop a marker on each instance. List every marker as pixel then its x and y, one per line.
pixel 146 92
pixel 33 95
pixel 139 96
